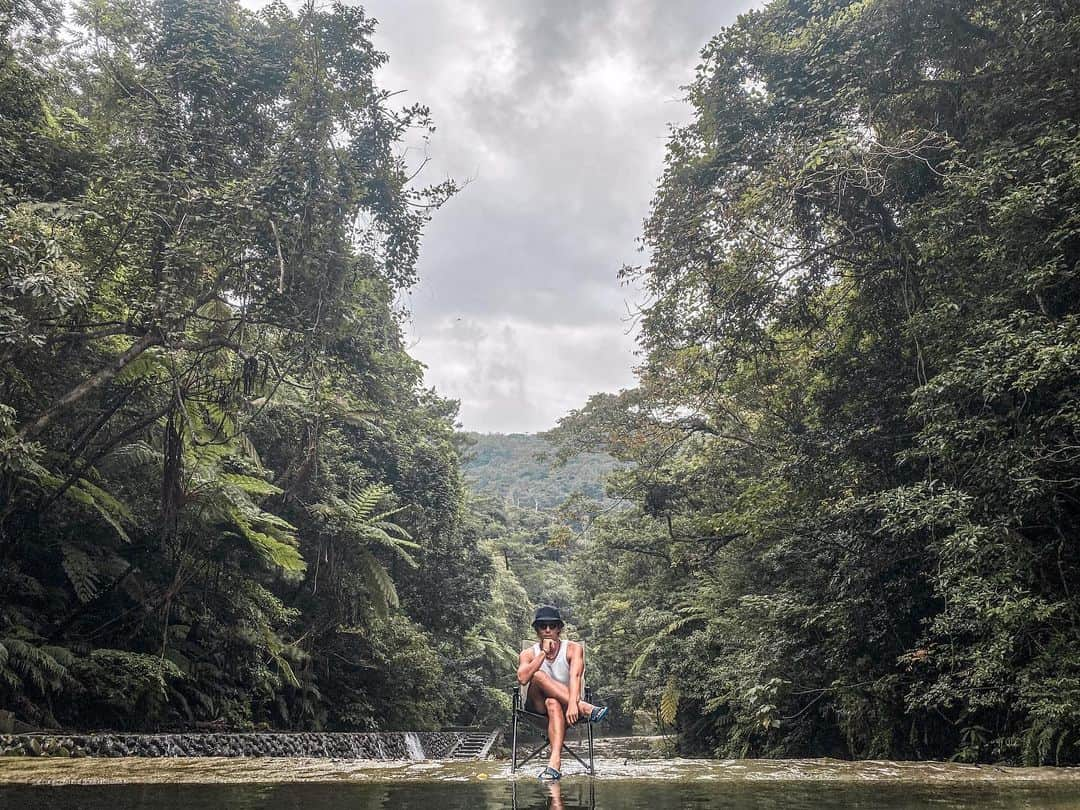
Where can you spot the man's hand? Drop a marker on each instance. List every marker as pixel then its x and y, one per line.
pixel 572 714
pixel 547 645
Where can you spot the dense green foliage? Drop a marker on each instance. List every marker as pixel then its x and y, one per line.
pixel 855 438
pixel 538 509
pixel 225 495
pixel 523 469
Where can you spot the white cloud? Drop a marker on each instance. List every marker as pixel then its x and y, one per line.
pixel 557 111
pixel 514 376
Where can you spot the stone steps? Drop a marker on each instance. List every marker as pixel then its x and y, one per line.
pixel 474 745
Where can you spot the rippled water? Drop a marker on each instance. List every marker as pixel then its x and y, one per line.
pixel 636 795
pixel 636 784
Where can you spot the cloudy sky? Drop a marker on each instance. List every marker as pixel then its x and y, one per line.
pixel 554 115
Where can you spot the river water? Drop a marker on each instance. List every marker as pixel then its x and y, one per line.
pixel 661 783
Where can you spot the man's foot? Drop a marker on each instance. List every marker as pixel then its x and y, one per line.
pixel 549 774
pixel 598 713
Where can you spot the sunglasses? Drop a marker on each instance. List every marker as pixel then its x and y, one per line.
pixel 548 625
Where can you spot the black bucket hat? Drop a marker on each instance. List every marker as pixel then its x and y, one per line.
pixel 547 613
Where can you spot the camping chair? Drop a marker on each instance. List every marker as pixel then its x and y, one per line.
pixel 522 712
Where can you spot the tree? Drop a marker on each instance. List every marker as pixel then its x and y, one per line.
pixel 226 495
pixel 852 426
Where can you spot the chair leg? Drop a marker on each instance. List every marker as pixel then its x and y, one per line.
pixel 513 746
pixel 573 753
pixel 590 749
pixel 539 750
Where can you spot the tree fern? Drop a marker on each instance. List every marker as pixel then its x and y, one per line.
pixel 233 498
pixel 277 548
pixel 140 452
pixel 379 583
pixel 669 702
pixel 151 365
pixel 276 649
pixel 692 615
pixel 25 663
pixel 87 494
pixel 81 572
pixel 114 505
pixel 363 503
pixel 250 485
pixel 354 518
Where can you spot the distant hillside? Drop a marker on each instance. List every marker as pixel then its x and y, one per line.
pixel 519 467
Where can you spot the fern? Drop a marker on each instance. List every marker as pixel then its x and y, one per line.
pixel 250 485
pixel 363 503
pixel 150 365
pixel 140 452
pixel 354 517
pixel 232 498
pixel 81 572
pixel 379 584
pixel 669 702
pixel 85 493
pixel 280 552
pixel 380 536
pixel 25 663
pixel 639 662
pixel 276 649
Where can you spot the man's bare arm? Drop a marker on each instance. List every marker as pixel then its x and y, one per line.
pixel 576 658
pixel 528 665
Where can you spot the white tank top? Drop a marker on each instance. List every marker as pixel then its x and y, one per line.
pixel 559 669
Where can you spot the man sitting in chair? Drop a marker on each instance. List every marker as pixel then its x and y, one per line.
pixel 552 669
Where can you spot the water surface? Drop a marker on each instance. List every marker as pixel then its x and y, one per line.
pixel 669 783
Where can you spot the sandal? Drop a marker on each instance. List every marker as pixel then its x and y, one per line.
pixel 549 774
pixel 598 713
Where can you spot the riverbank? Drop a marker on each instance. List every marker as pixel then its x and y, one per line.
pixel 411 745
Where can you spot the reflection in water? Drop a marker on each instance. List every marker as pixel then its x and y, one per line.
pixel 624 783
pixel 530 794
pixel 578 796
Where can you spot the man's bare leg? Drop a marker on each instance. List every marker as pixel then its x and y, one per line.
pixel 546 687
pixel 556 730
pixel 555 792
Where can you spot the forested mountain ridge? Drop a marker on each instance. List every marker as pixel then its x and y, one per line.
pixel 855 436
pixel 523 469
pixel 225 494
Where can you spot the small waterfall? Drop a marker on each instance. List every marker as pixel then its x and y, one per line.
pixel 379 747
pixel 413 746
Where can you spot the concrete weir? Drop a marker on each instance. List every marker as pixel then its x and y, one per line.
pixel 392 745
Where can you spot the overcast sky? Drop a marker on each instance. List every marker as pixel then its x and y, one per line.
pixel 556 115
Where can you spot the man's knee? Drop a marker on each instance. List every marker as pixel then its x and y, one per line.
pixel 552 705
